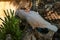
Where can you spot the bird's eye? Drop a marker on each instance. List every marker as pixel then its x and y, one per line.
pixel 23 8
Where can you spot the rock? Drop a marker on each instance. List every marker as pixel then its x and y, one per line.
pixel 35 35
pixel 8 37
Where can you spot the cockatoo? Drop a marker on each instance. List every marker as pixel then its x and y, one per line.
pixel 35 20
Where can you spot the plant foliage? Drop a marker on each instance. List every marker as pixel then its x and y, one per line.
pixel 10 26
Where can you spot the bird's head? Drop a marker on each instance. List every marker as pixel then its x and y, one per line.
pixel 25 5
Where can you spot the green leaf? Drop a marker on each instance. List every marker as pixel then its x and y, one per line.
pixel 11 25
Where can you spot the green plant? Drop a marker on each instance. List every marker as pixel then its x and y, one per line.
pixel 10 26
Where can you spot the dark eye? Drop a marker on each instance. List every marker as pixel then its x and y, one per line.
pixel 23 8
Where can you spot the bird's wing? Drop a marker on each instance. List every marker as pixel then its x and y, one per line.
pixel 37 21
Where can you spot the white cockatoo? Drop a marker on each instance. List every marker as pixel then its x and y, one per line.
pixel 35 20
pixel 32 17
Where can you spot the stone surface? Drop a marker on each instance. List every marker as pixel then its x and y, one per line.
pixel 35 35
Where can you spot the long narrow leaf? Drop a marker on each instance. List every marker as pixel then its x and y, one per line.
pixel 12 12
pixel 5 13
pixel 1 19
pixel 8 13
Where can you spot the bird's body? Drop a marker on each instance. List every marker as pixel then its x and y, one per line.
pixel 35 20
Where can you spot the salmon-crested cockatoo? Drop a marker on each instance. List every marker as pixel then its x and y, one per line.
pixel 33 18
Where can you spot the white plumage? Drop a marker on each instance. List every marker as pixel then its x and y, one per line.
pixel 35 20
